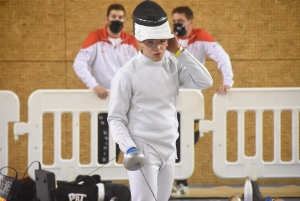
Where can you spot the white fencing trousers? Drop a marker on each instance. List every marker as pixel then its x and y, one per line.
pixel 159 174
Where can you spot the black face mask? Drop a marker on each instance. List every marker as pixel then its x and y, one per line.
pixel 116 26
pixel 179 29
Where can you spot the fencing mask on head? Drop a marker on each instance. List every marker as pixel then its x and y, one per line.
pixel 150 21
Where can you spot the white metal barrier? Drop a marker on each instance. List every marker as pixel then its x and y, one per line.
pixel 9 112
pixel 76 102
pixel 257 100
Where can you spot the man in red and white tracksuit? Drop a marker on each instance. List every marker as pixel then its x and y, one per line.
pixel 104 52
pixel 200 44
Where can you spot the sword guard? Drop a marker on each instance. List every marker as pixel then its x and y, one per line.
pixel 134 160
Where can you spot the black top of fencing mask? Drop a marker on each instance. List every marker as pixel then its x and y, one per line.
pixel 149 13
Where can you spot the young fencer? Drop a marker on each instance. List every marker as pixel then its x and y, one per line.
pixel 143 99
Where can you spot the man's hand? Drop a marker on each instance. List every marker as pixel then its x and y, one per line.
pixel 100 91
pixel 221 90
pixel 173 44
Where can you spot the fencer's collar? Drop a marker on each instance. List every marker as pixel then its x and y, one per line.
pixel 148 61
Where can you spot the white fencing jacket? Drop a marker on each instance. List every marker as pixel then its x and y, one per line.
pixel 144 96
pixel 98 59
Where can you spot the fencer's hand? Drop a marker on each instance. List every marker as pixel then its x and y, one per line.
pixel 221 90
pixel 100 91
pixel 173 44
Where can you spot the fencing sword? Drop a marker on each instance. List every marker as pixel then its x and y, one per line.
pixel 135 161
pixel 93 171
pixel 132 162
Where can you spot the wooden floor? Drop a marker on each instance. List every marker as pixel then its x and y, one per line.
pixel 222 193
pixel 223 199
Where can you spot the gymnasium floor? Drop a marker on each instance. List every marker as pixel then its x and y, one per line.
pixel 222 193
pixel 224 199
